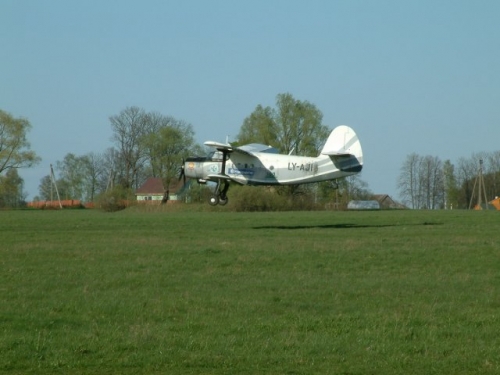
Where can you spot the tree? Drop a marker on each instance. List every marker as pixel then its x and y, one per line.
pixel 421 183
pixel 408 182
pixel 148 144
pixel 344 190
pixel 46 190
pixel 431 176
pixel 168 143
pixel 260 126
pixel 129 127
pixel 11 190
pixel 94 168
pixel 294 127
pixel 14 147
pixel 80 177
pixel 451 189
pixel 466 174
pixel 111 169
pixel 492 161
pixel 72 176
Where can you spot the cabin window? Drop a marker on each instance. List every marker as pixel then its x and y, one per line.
pixel 217 156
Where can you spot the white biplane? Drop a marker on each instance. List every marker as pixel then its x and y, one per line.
pixel 257 164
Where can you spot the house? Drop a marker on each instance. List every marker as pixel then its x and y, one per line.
pixel 386 202
pixel 154 190
pixel 363 205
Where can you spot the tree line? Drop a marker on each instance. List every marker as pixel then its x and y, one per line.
pixel 150 144
pixel 426 182
pixel 145 144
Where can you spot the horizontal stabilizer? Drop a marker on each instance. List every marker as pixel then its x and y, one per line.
pixel 339 154
pixel 346 162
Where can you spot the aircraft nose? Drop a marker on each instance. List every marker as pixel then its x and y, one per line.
pixel 189 169
pixel 193 167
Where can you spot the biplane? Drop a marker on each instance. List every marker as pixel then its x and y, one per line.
pixel 258 164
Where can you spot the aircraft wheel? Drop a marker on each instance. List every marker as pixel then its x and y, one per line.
pixel 214 200
pixel 223 201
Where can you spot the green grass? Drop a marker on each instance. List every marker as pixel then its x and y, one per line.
pixel 82 291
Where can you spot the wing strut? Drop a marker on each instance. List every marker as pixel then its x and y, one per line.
pixel 224 158
pixel 220 195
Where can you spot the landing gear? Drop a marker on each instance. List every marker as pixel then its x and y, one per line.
pixel 220 193
pixel 214 200
pixel 220 196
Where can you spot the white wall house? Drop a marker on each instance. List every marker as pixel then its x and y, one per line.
pixel 153 190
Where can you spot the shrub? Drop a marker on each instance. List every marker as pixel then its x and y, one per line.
pixel 257 199
pixel 115 199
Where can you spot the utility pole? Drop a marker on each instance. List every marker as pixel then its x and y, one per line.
pixel 53 178
pixel 481 188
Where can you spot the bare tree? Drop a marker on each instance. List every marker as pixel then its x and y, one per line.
pixel 466 174
pixel 421 182
pixel 129 128
pixel 451 189
pixel 408 181
pixel 436 185
pixel 492 170
pixel 111 170
pixel 94 169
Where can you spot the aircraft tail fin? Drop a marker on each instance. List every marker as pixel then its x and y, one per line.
pixel 344 149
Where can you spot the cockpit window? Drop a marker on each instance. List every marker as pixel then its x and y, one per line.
pixel 216 156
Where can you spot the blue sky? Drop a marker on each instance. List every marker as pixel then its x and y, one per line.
pixel 408 76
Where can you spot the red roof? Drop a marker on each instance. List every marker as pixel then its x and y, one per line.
pixel 153 186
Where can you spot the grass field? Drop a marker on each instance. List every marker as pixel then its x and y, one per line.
pixel 406 292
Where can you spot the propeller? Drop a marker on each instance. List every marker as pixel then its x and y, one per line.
pixel 181 173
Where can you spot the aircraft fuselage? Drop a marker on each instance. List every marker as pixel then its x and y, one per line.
pixel 269 169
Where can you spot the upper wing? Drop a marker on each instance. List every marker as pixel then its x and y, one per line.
pixel 220 146
pixel 226 147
